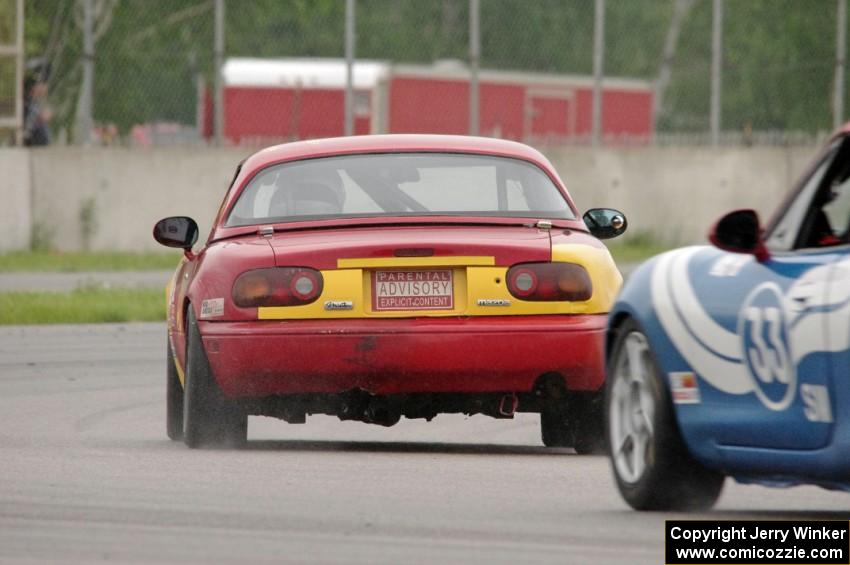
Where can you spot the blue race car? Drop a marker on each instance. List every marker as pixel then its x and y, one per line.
pixel 734 359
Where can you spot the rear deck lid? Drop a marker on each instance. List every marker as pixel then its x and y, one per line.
pixel 405 271
pixel 398 245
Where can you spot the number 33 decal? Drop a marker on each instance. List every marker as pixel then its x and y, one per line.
pixel 768 360
pixel 764 344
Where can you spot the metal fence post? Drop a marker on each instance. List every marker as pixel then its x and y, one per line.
pixel 85 104
pixel 598 70
pixel 349 67
pixel 15 50
pixel 474 59
pixel 19 74
pixel 716 67
pixel 840 57
pixel 218 124
pixel 680 12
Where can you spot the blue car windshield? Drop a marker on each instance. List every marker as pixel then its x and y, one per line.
pixel 399 184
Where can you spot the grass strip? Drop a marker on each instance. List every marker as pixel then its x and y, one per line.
pixel 631 254
pixel 82 306
pixel 78 261
pixel 634 248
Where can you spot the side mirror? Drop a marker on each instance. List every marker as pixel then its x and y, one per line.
pixel 176 231
pixel 739 232
pixel 605 223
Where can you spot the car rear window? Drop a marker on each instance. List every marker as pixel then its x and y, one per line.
pixel 400 184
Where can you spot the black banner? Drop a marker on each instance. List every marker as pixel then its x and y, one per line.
pixel 762 542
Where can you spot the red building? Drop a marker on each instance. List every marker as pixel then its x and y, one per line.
pixel 271 100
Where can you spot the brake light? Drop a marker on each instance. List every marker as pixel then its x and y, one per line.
pixel 304 285
pixel 522 281
pixel 549 281
pixel 277 286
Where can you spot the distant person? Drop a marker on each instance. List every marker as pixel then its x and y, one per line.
pixel 110 134
pixel 37 114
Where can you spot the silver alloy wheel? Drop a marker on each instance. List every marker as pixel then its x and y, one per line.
pixel 632 410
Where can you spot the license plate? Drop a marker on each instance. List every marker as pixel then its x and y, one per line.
pixel 412 290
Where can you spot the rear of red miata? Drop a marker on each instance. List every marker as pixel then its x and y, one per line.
pixel 377 277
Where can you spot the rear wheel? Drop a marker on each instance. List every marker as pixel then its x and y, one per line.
pixel 173 397
pixel 652 466
pixel 574 421
pixel 555 430
pixel 588 423
pixel 210 419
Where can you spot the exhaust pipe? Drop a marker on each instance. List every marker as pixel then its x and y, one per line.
pixel 508 405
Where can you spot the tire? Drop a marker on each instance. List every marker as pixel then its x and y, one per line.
pixel 573 420
pixel 651 464
pixel 209 418
pixel 588 423
pixel 173 397
pixel 555 430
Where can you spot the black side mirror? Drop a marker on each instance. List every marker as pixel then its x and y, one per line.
pixel 605 223
pixel 739 232
pixel 176 231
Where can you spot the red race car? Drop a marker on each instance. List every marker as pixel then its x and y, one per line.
pixel 377 277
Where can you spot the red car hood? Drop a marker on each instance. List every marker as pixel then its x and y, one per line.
pixel 321 249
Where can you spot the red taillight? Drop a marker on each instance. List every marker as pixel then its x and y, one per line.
pixel 305 285
pixel 550 281
pixel 522 281
pixel 288 286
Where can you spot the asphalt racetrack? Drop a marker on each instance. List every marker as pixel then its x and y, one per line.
pixel 88 475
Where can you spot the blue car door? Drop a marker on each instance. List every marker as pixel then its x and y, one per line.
pixel 791 316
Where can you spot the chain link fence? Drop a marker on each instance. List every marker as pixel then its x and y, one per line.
pixel 284 70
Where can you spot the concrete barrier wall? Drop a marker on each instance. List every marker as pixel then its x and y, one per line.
pixel 676 194
pixel 124 192
pixel 108 198
pixel 15 200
